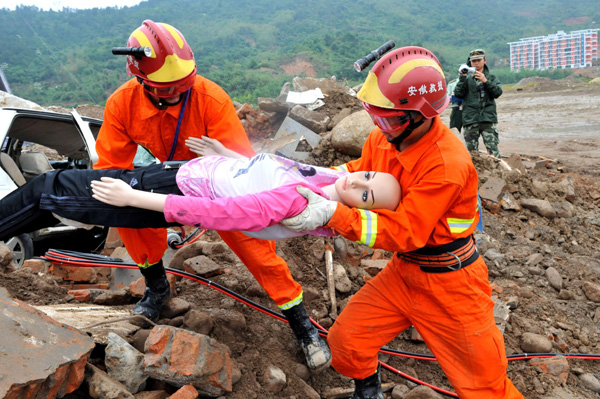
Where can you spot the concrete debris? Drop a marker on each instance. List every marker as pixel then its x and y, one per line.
pixel 41 358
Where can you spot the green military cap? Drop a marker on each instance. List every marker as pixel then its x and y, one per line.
pixel 476 54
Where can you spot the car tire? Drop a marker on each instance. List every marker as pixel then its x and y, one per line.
pixel 21 247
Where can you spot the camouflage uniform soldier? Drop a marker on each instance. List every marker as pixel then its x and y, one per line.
pixel 479 91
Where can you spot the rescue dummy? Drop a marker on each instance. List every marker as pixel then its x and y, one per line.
pixel 436 280
pixel 251 194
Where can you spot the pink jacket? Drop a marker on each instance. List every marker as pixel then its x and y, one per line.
pixel 248 194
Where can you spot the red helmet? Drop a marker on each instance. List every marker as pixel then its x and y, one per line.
pixel 171 69
pixel 406 79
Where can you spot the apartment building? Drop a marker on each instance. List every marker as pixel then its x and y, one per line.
pixel 577 49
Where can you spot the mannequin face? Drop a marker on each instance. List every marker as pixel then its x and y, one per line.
pixel 369 190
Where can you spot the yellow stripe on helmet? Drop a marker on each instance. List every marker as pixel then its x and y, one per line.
pixel 371 94
pixel 173 69
pixel 408 66
pixel 143 40
pixel 173 33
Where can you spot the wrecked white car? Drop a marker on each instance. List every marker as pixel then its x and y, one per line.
pixel 35 142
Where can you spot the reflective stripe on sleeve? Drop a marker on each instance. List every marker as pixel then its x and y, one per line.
pixel 459 225
pixel 368 233
pixel 342 168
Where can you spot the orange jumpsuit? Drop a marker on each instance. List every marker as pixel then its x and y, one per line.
pixel 452 311
pixel 131 119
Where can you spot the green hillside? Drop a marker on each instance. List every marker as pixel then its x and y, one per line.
pixel 65 57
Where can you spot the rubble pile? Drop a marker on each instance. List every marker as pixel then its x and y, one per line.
pixel 540 237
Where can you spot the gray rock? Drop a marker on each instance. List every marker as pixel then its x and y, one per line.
pixel 350 134
pixel 124 363
pixel 175 307
pixel 554 278
pixel 400 391
pixel 314 120
pixel 590 382
pixel 102 386
pixel 342 282
pixel 493 189
pixel 592 291
pixel 273 379
pixel 423 392
pixel 198 321
pixel 535 343
pixel 542 207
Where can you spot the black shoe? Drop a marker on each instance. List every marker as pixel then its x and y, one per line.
pixel 158 291
pixel 316 351
pixel 368 388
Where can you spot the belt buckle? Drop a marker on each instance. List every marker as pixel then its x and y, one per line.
pixel 458 266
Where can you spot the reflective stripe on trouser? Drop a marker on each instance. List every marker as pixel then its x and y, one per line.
pixel 488 132
pixel 468 345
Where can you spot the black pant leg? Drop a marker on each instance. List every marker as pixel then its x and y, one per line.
pixel 68 194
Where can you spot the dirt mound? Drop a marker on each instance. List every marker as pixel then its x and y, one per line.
pixel 538 84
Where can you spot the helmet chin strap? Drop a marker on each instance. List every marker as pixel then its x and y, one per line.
pixel 159 102
pixel 162 103
pixel 412 126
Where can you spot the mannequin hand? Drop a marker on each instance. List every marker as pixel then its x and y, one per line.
pixel 112 191
pixel 316 214
pixel 205 146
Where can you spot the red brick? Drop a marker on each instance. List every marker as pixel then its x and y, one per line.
pixel 81 295
pixel 76 375
pixel 557 366
pixel 59 377
pixel 184 353
pixel 113 240
pixel 155 345
pixel 173 283
pixel 37 265
pixel 185 392
pixel 74 273
pixel 137 287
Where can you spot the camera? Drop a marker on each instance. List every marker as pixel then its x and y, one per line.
pixel 464 68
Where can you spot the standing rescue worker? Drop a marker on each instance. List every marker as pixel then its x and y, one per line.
pixel 436 280
pixel 162 106
pixel 479 91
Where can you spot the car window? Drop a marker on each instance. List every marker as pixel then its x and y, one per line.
pixel 143 157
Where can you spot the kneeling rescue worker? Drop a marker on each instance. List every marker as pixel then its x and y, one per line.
pixel 436 280
pixel 164 104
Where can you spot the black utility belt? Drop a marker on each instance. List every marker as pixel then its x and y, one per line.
pixel 445 258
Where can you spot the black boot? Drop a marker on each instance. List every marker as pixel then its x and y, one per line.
pixel 158 290
pixel 316 351
pixel 368 388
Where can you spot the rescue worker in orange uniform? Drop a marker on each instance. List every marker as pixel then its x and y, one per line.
pixel 436 281
pixel 164 104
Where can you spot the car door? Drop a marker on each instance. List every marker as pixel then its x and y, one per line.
pixel 58 141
